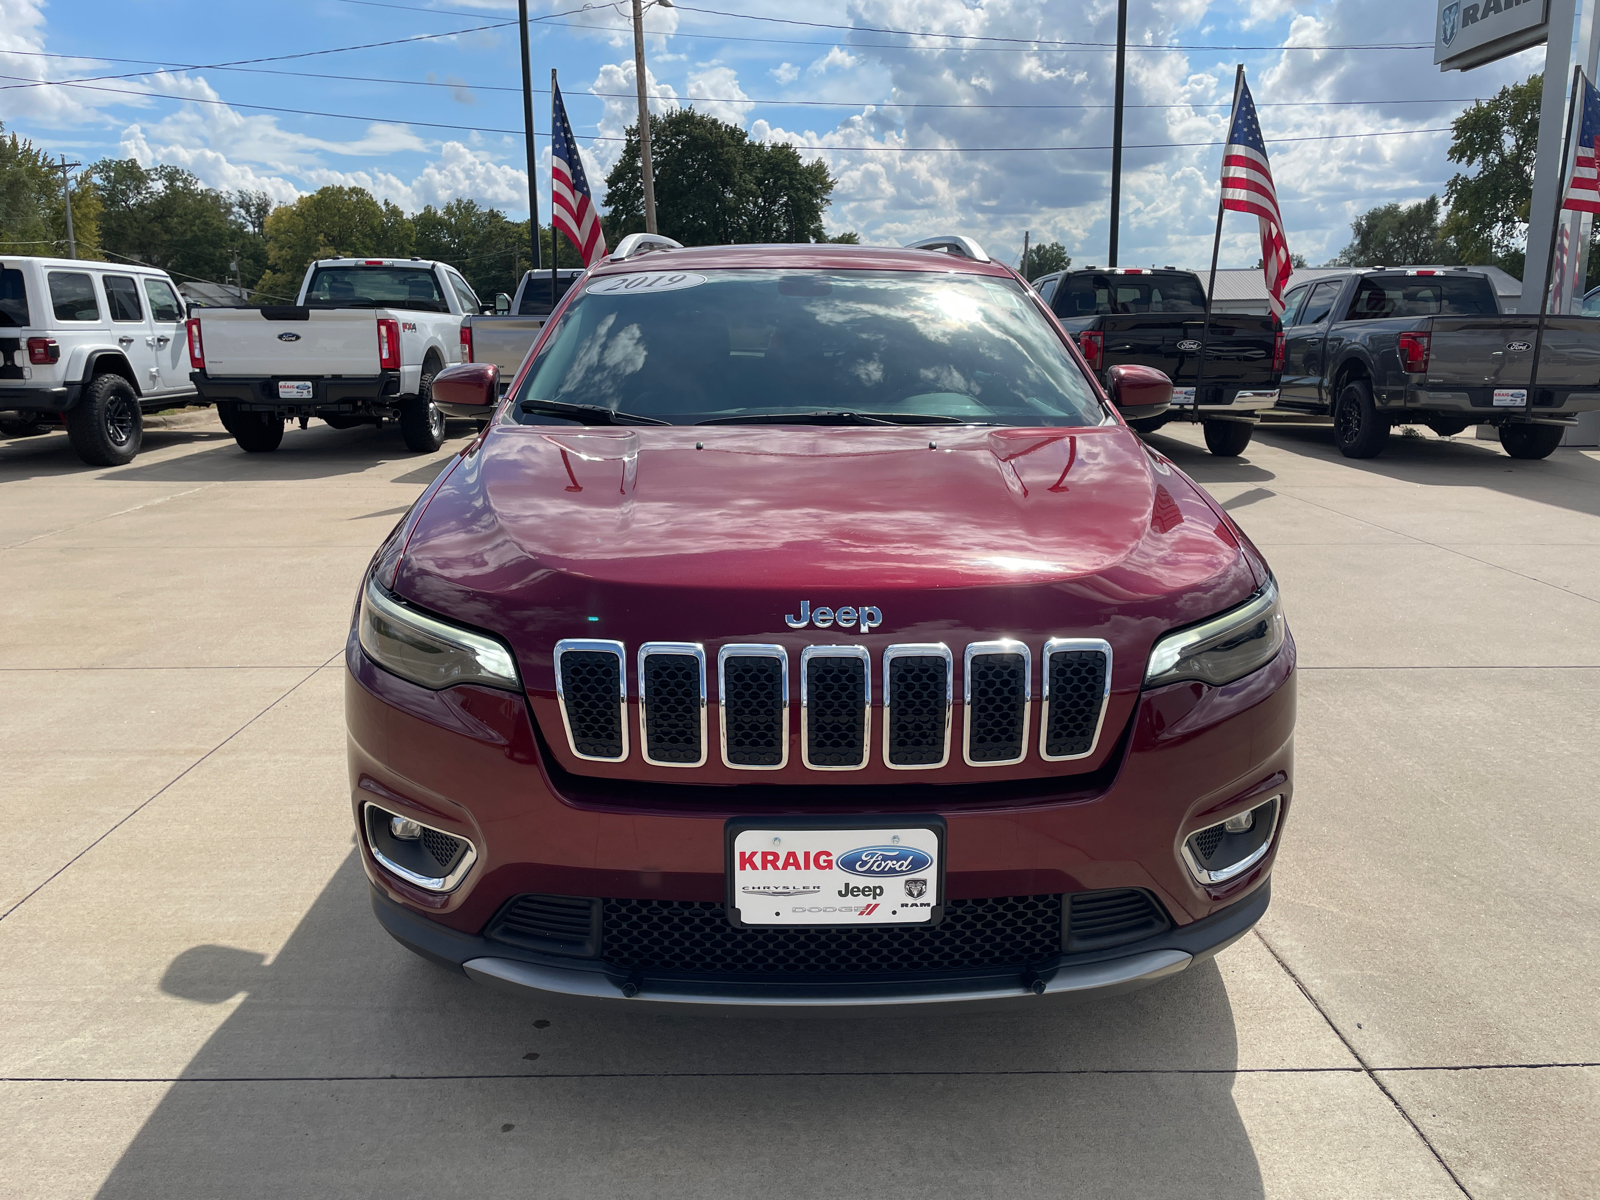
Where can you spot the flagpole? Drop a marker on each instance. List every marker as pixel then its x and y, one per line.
pixel 527 134
pixel 1550 254
pixel 1116 132
pixel 555 251
pixel 1216 247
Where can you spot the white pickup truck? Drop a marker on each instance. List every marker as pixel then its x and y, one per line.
pixel 360 345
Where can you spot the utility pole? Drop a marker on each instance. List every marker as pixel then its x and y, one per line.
pixel 1025 234
pixel 66 195
pixel 1116 130
pixel 645 168
pixel 527 137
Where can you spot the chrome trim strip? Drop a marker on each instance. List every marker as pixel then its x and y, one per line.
pixel 698 652
pixel 444 883
pixel 861 653
pixel 1233 870
pixel 601 647
pixel 753 650
pixel 919 650
pixel 999 646
pixel 1054 646
pixel 1131 971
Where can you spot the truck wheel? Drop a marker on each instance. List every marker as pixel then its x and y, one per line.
pixel 1358 430
pixel 421 420
pixel 106 427
pixel 1530 441
pixel 257 432
pixel 1148 424
pixel 1228 438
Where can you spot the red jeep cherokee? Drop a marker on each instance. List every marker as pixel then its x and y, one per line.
pixel 806 628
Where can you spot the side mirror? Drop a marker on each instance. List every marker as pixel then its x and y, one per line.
pixel 502 304
pixel 467 389
pixel 1136 391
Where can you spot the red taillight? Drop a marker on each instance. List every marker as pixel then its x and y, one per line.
pixel 1414 352
pixel 197 352
pixel 372 262
pixel 466 342
pixel 1093 343
pixel 43 351
pixel 1277 351
pixel 388 345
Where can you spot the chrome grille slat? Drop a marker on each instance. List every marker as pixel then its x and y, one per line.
pixel 918 683
pixel 753 706
pixel 996 688
pixel 1076 680
pixel 592 691
pixel 835 707
pixel 672 704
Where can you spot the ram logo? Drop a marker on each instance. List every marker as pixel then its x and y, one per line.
pixel 1450 22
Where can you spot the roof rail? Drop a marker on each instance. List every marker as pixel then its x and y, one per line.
pixel 952 243
pixel 642 243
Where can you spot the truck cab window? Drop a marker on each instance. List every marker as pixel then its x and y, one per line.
pixel 1291 304
pixel 1320 303
pixel 415 288
pixel 1379 296
pixel 72 296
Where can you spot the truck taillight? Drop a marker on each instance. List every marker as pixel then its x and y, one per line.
pixel 1414 352
pixel 466 342
pixel 388 344
pixel 1277 351
pixel 43 351
pixel 1093 343
pixel 197 351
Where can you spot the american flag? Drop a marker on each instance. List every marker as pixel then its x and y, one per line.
pixel 572 210
pixel 1247 187
pixel 1583 190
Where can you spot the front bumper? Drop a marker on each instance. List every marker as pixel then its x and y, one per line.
pixel 339 393
pixel 1070 975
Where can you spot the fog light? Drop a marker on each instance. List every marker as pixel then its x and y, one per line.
pixel 1228 849
pixel 1237 824
pixel 408 830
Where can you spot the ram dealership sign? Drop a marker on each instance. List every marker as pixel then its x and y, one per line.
pixel 1469 33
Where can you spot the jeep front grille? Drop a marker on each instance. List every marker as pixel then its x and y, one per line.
pixel 836 682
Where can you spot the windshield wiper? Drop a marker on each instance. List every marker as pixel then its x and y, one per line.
pixel 839 418
pixel 591 414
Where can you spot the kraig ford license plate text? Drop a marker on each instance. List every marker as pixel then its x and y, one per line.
pixel 835 876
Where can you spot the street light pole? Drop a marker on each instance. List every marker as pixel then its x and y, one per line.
pixel 527 137
pixel 1116 130
pixel 645 168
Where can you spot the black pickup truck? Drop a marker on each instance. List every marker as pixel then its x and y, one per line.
pixel 1155 318
pixel 1385 347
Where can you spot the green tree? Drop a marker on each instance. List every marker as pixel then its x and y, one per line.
pixel 715 186
pixel 848 238
pixel 1392 236
pixel 1488 221
pixel 166 217
pixel 332 222
pixel 33 218
pixel 1045 258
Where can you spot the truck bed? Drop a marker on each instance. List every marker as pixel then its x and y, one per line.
pixel 1238 349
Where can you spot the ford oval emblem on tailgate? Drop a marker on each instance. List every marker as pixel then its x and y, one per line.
pixel 1519 347
pixel 1188 344
pixel 884 860
pixel 288 337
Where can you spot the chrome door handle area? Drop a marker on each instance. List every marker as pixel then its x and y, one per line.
pixel 125 340
pixel 162 340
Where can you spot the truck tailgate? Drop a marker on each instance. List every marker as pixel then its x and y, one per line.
pixel 1488 351
pixel 289 343
pixel 1238 350
pixel 504 341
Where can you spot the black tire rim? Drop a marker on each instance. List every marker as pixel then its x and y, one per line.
pixel 120 419
pixel 1349 422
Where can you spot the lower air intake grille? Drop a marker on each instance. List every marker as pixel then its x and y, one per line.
pixel 917 689
pixel 997 706
pixel 1076 684
pixel 1099 920
pixel 673 708
pixel 1206 842
pixel 836 695
pixel 443 849
pixel 684 936
pixel 554 924
pixel 591 690
pixel 752 709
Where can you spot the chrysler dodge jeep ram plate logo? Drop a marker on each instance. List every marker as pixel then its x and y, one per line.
pixel 864 617
pixel 782 891
pixel 1188 345
pixel 916 888
pixel 1519 347
pixel 288 337
pixel 884 860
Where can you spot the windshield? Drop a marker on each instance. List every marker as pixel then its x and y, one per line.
pixel 759 344
pixel 1102 295
pixel 376 287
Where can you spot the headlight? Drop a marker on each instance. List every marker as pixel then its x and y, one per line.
pixel 427 650
pixel 1227 647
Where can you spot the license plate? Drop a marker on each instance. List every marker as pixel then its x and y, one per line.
pixel 1510 397
pixel 1182 395
pixel 872 875
pixel 295 389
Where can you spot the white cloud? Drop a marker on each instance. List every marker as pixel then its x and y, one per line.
pixel 621 111
pixel 785 73
pixel 723 82
pixel 835 57
pixel 22 46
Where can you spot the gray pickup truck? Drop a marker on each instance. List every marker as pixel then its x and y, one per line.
pixel 505 338
pixel 1385 347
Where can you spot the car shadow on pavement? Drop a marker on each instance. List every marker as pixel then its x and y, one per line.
pixel 352 1067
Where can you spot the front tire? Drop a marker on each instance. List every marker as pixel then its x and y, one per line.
pixel 1228 439
pixel 421 420
pixel 256 432
pixel 1530 441
pixel 106 427
pixel 1358 430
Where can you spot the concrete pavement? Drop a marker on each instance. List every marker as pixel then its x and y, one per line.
pixel 196 1001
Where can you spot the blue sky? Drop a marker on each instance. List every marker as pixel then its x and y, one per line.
pixel 908 125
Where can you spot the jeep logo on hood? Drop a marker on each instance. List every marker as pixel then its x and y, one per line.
pixel 884 860
pixel 864 618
